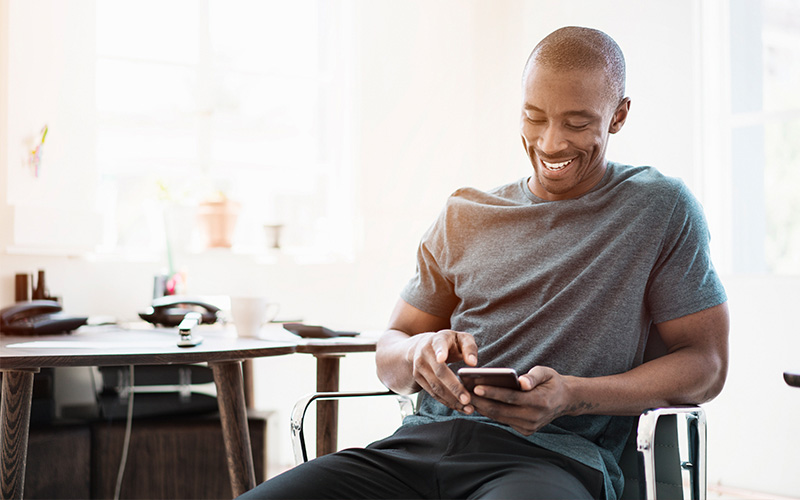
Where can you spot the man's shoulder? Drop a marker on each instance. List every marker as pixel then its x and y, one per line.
pixel 644 175
pixel 470 207
pixel 645 181
pixel 507 194
pixel 647 189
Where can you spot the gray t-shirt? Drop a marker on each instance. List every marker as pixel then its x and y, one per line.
pixel 574 285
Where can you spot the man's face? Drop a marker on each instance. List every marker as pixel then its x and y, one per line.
pixel 567 117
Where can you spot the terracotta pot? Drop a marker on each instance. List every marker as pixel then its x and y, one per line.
pixel 218 218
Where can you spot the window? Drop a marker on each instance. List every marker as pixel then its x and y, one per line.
pixel 753 117
pixel 198 99
pixel 781 121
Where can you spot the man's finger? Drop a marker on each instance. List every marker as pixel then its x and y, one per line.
pixel 441 344
pixel 468 347
pixel 536 376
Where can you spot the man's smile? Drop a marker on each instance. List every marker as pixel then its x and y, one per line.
pixel 555 167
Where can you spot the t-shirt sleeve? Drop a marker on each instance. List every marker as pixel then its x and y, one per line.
pixel 684 280
pixel 429 289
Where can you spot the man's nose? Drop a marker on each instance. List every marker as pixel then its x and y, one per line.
pixel 551 140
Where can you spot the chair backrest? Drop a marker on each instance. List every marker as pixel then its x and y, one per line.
pixel 668 470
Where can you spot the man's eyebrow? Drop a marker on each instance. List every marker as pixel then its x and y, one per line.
pixel 581 113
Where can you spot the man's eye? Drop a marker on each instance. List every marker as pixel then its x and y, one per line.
pixel 535 120
pixel 577 126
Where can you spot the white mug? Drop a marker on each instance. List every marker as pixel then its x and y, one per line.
pixel 250 314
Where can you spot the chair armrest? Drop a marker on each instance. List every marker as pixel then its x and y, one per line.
pixel 792 377
pixel 300 408
pixel 645 445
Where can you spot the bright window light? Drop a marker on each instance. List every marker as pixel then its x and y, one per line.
pixel 751 74
pixel 197 98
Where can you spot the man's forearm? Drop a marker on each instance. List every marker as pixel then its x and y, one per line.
pixel 393 366
pixel 682 377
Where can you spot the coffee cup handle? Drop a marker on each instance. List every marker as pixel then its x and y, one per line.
pixel 273 309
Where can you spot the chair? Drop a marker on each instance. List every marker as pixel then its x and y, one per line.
pixel 654 441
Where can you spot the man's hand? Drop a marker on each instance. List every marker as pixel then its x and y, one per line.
pixel 544 396
pixel 413 354
pixel 428 358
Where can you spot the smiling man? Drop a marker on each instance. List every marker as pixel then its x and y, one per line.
pixel 562 276
pixel 573 98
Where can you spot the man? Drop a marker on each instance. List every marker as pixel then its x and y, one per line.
pixel 562 276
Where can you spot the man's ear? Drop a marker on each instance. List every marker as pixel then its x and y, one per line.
pixel 620 115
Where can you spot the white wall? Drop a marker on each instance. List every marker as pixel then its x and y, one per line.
pixel 438 97
pixel 50 84
pixel 753 440
pixel 5 211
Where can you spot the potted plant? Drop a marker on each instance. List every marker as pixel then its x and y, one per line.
pixel 218 216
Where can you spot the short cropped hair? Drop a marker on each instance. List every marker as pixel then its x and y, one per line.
pixel 575 47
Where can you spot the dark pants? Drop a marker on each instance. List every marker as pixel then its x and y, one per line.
pixel 454 459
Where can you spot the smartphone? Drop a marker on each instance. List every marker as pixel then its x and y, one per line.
pixel 498 377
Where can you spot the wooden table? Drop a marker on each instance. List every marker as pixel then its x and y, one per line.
pixel 21 357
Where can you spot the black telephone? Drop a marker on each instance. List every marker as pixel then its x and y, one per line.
pixel 170 310
pixel 37 317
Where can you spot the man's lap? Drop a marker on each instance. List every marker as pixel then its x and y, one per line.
pixel 453 459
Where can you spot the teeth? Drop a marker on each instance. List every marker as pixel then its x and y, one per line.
pixel 556 166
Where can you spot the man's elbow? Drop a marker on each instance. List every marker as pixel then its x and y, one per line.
pixel 708 387
pixel 707 379
pixel 714 354
pixel 716 380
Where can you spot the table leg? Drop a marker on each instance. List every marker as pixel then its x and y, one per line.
pixel 327 411
pixel 238 451
pixel 249 388
pixel 15 419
